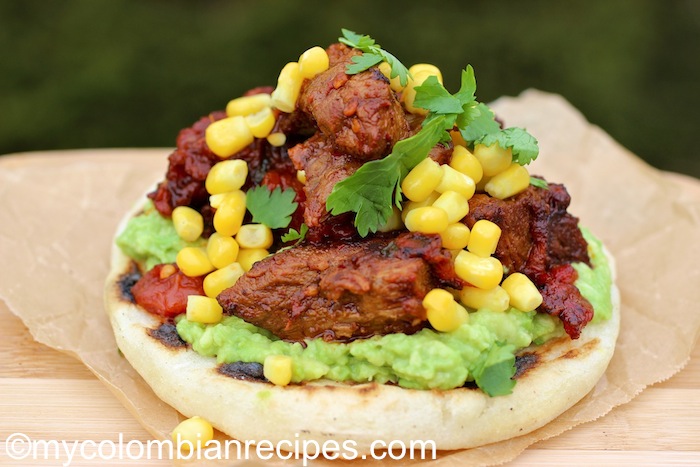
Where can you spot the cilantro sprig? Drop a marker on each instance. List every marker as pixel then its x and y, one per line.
pixel 373 190
pixel 272 208
pixel 372 54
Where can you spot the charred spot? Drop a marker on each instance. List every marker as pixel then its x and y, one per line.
pixel 167 334
pixel 525 362
pixel 583 350
pixel 126 282
pixel 247 371
pixel 470 385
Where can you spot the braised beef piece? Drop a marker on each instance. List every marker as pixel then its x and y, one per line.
pixel 540 239
pixel 359 113
pixel 323 168
pixel 192 159
pixel 342 291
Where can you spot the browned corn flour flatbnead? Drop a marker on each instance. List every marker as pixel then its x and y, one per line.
pixel 469 241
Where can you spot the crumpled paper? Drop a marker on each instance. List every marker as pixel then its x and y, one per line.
pixel 60 211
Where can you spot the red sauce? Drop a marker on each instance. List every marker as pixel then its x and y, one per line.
pixel 166 297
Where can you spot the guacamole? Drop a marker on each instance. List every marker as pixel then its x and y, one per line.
pixel 481 350
pixel 151 239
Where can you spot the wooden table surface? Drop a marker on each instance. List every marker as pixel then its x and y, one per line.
pixel 47 395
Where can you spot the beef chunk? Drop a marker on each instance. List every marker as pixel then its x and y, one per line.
pixel 540 239
pixel 341 291
pixel 537 231
pixel 323 170
pixel 359 113
pixel 190 162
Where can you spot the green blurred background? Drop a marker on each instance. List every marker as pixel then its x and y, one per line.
pixel 127 73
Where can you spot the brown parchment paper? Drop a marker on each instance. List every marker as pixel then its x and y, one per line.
pixel 59 213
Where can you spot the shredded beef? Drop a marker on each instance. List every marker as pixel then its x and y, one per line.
pixel 342 291
pixel 540 239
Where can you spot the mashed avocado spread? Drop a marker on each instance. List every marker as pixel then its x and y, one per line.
pixel 481 350
pixel 150 238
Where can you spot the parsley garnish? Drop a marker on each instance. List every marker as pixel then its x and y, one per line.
pixel 373 190
pixel 299 236
pixel 272 208
pixel 539 183
pixel 372 54
pixel 494 373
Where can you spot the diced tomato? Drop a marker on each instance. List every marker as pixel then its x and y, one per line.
pixel 166 296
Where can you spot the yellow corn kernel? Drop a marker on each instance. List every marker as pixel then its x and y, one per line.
pixel 254 236
pixel 221 250
pixel 228 217
pixel 313 61
pixel 455 237
pixel 465 162
pixel 226 176
pixel 193 261
pixel 485 273
pixel 454 204
pixel 248 257
pixel 261 123
pixel 278 369
pixel 425 69
pixel 221 279
pixel 277 139
pixel 188 223
pixel 422 180
pixel 285 95
pixel 452 180
pixel 484 238
pixel 495 299
pixel 438 298
pixel 167 271
pixel 395 82
pixel 301 176
pixel 192 434
pixel 493 159
pixel 427 220
pixel 393 223
pixel 522 292
pixel 418 204
pixel 510 182
pixel 247 105
pixel 443 312
pixel 201 309
pixel 408 96
pixel 227 136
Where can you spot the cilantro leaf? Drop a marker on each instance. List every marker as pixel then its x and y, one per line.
pixel 293 234
pixel 495 372
pixel 375 53
pixel 467 87
pixel 362 62
pixel 476 122
pixel 523 145
pixel 272 208
pixel 432 96
pixel 397 68
pixel 358 41
pixel 376 186
pixel 539 183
